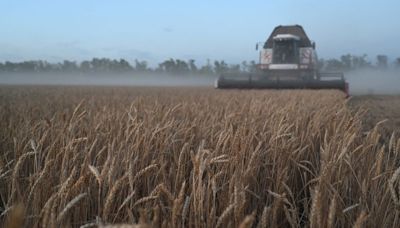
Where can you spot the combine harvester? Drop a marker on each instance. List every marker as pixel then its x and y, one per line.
pixel 288 60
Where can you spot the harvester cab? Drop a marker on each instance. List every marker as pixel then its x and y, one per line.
pixel 285 49
pixel 287 60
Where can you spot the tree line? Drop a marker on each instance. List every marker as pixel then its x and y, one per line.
pixel 177 66
pixel 106 65
pixel 353 62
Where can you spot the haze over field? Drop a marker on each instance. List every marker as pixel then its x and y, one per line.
pixel 374 82
pixel 107 79
pixel 363 81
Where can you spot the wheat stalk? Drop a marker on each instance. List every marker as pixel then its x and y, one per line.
pixel 224 215
pixel 70 204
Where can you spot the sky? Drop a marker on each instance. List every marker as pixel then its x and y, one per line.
pixel 55 30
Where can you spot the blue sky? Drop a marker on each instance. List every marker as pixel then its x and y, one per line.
pixel 155 30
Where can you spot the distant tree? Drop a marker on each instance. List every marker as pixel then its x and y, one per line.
pixel 69 66
pixel 140 66
pixel 9 66
pixel 234 68
pixel 250 67
pixel 220 67
pixel 174 66
pixel 47 67
pixel 253 66
pixel 347 61
pixel 57 67
pixel 192 66
pixel 168 66
pixel 181 67
pixel 334 64
pixel 112 66
pixel 2 67
pixel 27 66
pixel 86 66
pixel 96 64
pixel 360 61
pixel 244 66
pixel 206 69
pixel 124 66
pixel 397 62
pixel 382 61
pixel 43 66
pixel 105 65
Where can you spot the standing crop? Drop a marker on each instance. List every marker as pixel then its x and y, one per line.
pixel 192 158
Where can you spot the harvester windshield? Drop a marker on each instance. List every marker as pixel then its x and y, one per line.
pixel 285 51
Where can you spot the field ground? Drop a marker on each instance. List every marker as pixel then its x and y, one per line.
pixel 379 108
pixel 197 157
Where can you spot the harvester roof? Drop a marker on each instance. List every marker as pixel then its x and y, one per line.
pixel 295 30
pixel 286 37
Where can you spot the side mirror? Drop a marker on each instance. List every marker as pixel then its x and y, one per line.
pixel 257 47
pixel 313 45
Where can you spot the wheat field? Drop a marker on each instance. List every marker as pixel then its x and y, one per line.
pixel 192 157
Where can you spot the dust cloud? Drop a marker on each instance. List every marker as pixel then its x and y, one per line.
pixel 374 81
pixel 361 82
pixel 106 79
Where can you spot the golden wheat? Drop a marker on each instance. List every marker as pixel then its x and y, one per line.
pixel 192 157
